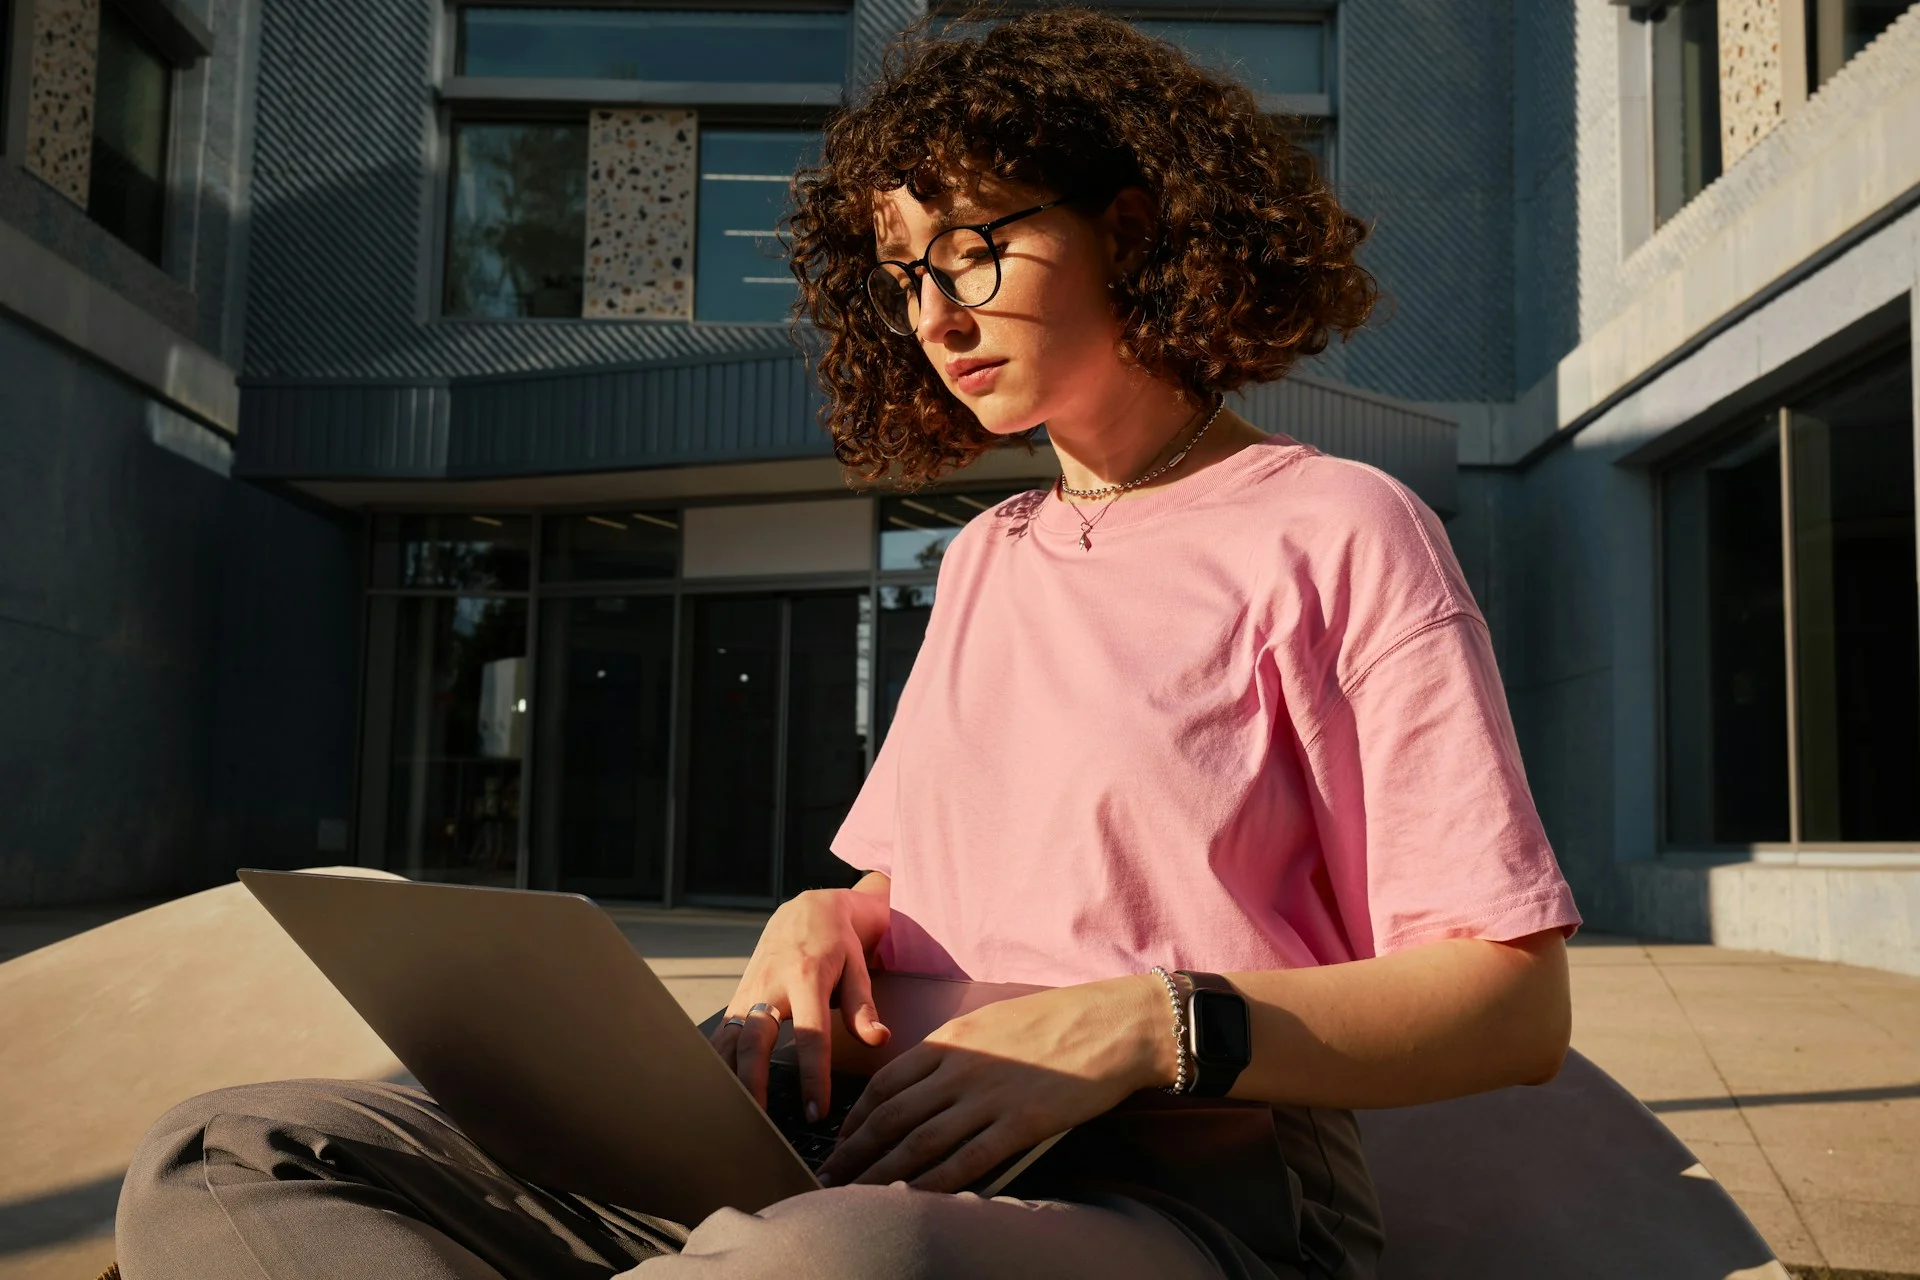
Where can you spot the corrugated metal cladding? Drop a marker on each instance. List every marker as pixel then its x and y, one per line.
pixel 685 412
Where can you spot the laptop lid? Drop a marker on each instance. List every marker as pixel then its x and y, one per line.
pixel 539 1029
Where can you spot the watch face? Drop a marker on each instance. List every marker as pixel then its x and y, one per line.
pixel 1222 1031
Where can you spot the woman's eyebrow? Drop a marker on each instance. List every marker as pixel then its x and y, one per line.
pixel 962 213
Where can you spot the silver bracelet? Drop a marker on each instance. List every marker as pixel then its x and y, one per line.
pixel 1182 1076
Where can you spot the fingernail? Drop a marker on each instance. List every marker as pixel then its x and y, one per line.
pixel 824 1179
pixel 881 1027
pixel 813 1112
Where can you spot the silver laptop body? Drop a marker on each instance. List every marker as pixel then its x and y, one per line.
pixel 539 1029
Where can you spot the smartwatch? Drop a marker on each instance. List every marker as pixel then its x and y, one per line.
pixel 1219 1033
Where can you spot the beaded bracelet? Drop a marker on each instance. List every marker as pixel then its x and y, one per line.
pixel 1182 1077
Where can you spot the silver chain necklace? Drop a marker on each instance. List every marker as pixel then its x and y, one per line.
pixel 1086 525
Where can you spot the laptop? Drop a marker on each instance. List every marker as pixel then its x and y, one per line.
pixel 539 1029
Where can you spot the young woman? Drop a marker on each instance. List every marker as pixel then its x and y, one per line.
pixel 1215 704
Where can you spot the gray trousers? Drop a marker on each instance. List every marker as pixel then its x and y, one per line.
pixel 351 1180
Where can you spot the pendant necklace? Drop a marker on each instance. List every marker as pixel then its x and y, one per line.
pixel 1111 491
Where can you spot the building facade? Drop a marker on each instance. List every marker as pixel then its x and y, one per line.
pixel 551 579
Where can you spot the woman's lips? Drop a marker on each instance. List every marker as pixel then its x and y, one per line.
pixel 976 378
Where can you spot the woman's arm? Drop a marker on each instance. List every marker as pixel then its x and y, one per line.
pixel 1436 1021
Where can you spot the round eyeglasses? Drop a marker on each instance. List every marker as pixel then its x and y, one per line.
pixel 963 262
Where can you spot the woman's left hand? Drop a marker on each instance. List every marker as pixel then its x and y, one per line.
pixel 992 1083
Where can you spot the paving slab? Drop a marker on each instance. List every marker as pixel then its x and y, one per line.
pixel 1797 1083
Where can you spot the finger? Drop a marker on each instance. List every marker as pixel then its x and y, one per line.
pixel 810 1015
pixel 972 1161
pixel 856 1001
pixel 883 1127
pixel 934 1142
pixel 905 1071
pixel 752 1053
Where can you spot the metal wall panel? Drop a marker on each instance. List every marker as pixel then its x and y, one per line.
pixel 1416 447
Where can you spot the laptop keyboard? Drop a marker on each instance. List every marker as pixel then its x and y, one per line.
pixel 814 1142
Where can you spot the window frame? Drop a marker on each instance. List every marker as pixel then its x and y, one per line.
pixel 176 64
pixel 1779 410
pixel 464 100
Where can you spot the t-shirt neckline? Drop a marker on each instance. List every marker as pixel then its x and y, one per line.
pixel 1057 513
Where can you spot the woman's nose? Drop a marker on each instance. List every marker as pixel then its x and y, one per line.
pixel 939 314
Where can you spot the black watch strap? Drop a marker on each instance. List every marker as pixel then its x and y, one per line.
pixel 1219 1033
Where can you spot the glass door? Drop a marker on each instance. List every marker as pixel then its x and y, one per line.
pixel 777 717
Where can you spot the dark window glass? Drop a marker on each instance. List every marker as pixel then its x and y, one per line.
pixel 1856 611
pixel 606 689
pixel 459 733
pixel 914 532
pixel 1267 57
pixel 464 553
pixel 904 611
pixel 655 44
pixel 517 225
pixel 740 272
pixel 611 546
pixel 826 733
pixel 1686 104
pixel 734 720
pixel 127 192
pixel 1838 29
pixel 1726 667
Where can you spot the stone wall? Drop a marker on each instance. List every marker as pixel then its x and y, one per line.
pixel 1752 81
pixel 66 43
pixel 640 214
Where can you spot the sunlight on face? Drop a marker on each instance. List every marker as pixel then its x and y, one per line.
pixel 1016 359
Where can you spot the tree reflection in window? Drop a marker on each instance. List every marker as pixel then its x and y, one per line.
pixel 516 238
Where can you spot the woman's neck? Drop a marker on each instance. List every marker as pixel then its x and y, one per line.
pixel 1120 438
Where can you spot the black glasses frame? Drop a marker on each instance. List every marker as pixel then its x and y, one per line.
pixel 922 267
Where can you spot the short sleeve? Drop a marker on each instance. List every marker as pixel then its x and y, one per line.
pixel 865 839
pixel 1426 821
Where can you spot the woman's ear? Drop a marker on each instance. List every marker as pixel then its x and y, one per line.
pixel 1132 224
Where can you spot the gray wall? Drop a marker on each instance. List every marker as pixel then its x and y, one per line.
pixel 177 649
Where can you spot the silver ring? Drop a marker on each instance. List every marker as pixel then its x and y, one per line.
pixel 735 1022
pixel 764 1007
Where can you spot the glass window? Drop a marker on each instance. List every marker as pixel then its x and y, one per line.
pixel 740 272
pixel 1726 672
pixel 1856 614
pixel 611 546
pixel 904 611
pixel 606 692
pixel 1686 104
pixel 1838 29
pixel 459 732
pixel 463 552
pixel 655 44
pixel 133 90
pixel 914 532
pixel 517 225
pixel 826 748
pixel 1267 57
pixel 733 758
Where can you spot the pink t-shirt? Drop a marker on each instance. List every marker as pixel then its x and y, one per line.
pixel 1257 726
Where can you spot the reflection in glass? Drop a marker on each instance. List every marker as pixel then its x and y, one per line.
pixel 611 546
pixel 459 733
pixel 1726 667
pixel 1838 29
pixel 1686 104
pixel 655 44
pixel 734 721
pixel 1857 616
pixel 740 271
pixel 516 231
pixel 133 92
pixel 904 611
pixel 1266 57
pixel 605 742
pixel 826 734
pixel 914 532
pixel 463 552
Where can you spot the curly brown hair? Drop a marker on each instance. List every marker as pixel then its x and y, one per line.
pixel 1252 267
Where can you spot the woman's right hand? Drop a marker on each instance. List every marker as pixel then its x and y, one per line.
pixel 814 945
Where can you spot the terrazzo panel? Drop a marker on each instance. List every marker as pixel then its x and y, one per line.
pixel 640 213
pixel 66 43
pixel 1752 84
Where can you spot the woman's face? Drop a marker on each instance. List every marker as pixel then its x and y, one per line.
pixel 1048 337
